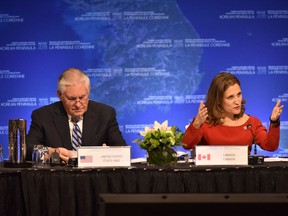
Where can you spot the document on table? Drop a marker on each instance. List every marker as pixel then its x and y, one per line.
pixel 275 159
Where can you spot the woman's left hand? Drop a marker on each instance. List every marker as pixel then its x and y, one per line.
pixel 276 112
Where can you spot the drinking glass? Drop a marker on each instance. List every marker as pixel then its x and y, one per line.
pixel 40 155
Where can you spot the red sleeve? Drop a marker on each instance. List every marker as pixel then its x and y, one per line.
pixel 192 136
pixel 267 140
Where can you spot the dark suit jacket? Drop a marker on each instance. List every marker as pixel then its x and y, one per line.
pixel 50 127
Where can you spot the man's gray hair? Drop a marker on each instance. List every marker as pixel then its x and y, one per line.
pixel 72 76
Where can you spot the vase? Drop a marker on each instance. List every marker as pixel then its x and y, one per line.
pixel 160 157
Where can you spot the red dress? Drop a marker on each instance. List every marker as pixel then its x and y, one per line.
pixel 233 135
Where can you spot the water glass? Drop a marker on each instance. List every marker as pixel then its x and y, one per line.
pixel 40 155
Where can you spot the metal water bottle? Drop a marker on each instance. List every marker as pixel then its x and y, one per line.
pixel 17 140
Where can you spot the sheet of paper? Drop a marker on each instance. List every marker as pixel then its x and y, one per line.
pixel 275 159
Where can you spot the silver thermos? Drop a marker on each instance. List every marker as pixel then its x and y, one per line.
pixel 17 141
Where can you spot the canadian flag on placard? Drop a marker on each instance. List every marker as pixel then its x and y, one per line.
pixel 203 156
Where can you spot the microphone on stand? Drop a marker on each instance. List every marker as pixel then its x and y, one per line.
pixel 255 159
pixel 249 126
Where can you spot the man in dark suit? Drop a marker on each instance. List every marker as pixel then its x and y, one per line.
pixel 52 125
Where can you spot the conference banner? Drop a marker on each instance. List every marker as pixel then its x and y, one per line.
pixel 152 60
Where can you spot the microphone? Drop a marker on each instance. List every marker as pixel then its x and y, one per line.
pixel 249 126
pixel 255 159
pixel 55 158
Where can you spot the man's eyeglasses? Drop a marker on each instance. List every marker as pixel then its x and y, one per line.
pixel 74 100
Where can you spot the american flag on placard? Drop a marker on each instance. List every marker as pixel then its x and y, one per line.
pixel 86 158
pixel 204 156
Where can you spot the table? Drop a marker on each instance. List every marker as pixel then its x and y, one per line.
pixel 75 191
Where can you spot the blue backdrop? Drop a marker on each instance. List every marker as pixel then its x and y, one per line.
pixel 150 59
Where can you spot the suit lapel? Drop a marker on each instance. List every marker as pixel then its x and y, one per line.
pixel 62 126
pixel 90 124
pixel 88 127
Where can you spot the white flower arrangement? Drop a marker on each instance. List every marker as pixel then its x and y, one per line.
pixel 160 136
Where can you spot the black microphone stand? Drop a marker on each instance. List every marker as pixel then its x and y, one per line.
pixel 255 159
pixel 255 147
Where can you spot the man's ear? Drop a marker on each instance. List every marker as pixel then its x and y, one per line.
pixel 59 93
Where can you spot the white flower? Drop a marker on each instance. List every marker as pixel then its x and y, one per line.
pixel 146 130
pixel 162 127
pixel 160 136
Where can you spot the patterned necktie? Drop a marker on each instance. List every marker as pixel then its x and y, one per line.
pixel 76 134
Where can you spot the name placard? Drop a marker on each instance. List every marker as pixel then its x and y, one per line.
pixel 104 156
pixel 221 155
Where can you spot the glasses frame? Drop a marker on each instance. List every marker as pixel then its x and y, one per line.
pixel 73 100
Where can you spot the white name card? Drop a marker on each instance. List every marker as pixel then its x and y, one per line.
pixel 104 156
pixel 221 155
